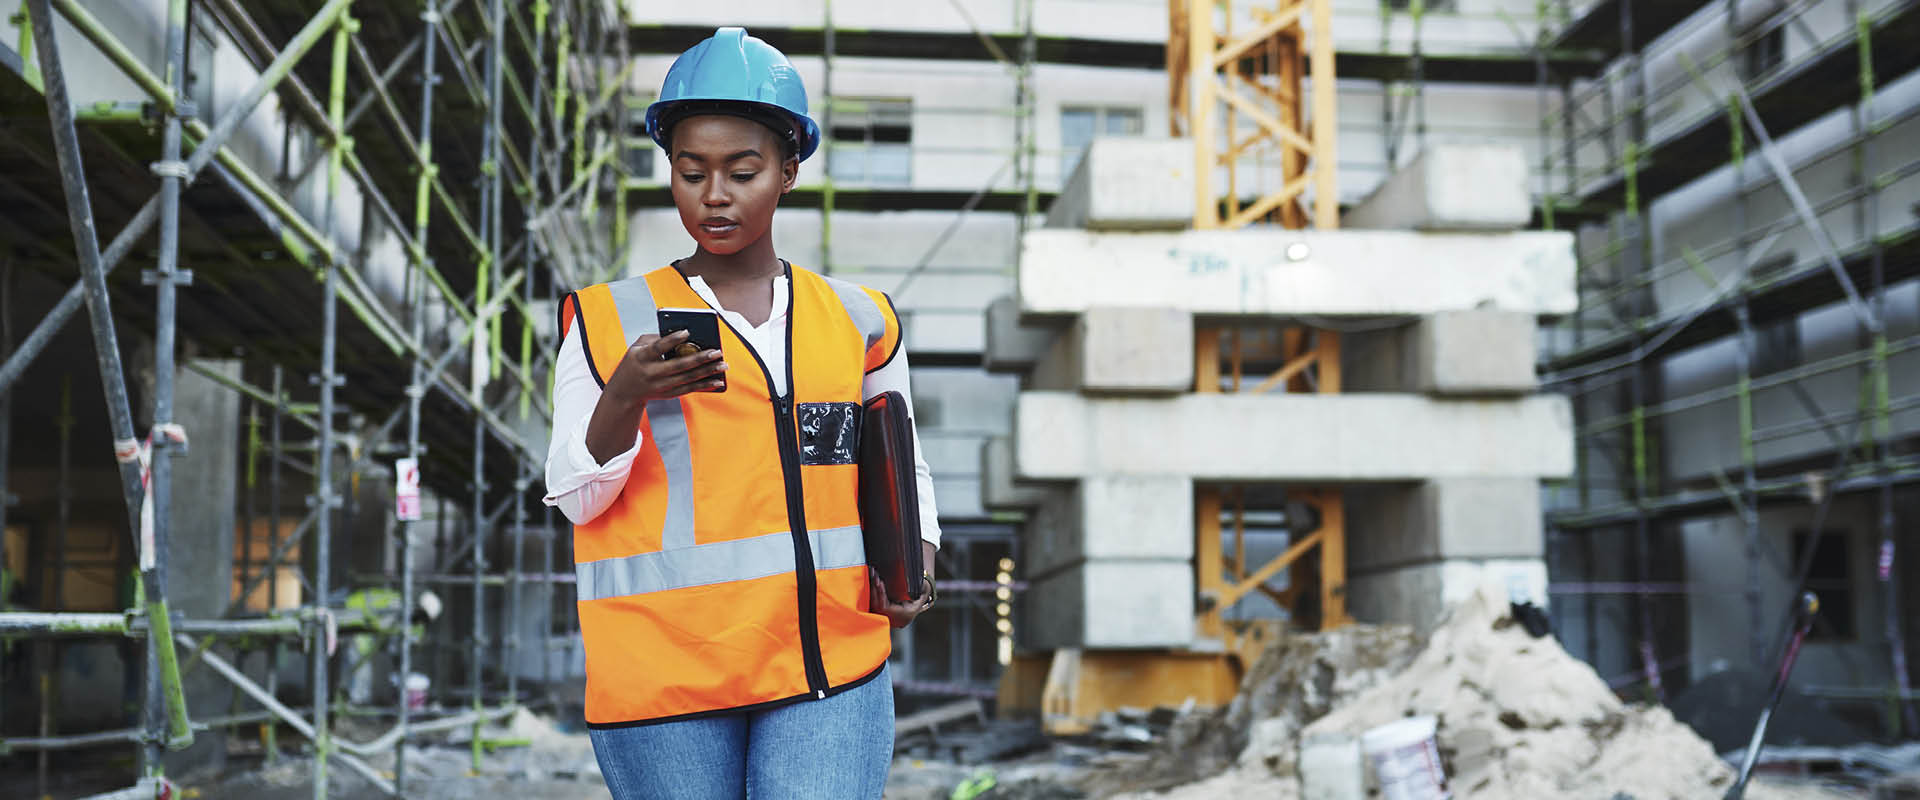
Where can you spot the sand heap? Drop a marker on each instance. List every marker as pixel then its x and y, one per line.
pixel 1298 679
pixel 1520 718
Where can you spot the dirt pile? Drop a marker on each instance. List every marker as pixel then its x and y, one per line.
pixel 1299 678
pixel 1518 718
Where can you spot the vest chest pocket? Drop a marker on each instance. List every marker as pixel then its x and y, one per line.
pixel 829 433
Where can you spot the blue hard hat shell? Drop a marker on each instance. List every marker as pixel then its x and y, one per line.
pixel 731 66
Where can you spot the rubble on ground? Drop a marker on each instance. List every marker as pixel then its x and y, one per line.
pixel 1518 717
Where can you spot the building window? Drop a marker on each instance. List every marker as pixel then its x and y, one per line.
pixel 872 141
pixel 1831 577
pixel 1776 346
pixel 1766 51
pixel 1080 124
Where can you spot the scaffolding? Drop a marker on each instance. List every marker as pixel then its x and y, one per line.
pixel 500 122
pixel 1616 143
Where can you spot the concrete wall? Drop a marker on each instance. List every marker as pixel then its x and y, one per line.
pixel 200 567
pixel 1699 219
pixel 1721 619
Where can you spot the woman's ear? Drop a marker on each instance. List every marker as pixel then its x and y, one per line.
pixel 789 172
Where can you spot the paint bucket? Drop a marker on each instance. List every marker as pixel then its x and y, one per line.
pixel 1405 759
pixel 417 685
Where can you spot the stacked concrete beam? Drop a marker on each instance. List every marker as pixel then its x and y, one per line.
pixel 1441 437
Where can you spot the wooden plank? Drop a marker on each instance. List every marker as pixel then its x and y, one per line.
pixel 932 718
pixel 1238 47
pixel 1232 594
pixel 1326 157
pixel 1207 563
pixel 1292 368
pixel 1333 560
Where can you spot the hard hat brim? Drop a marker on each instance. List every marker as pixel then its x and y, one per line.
pixel 660 115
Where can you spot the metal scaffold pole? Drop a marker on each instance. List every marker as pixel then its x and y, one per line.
pixel 329 228
pixel 165 702
pixel 324 500
pixel 416 385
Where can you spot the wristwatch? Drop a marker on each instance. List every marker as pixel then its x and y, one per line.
pixel 933 593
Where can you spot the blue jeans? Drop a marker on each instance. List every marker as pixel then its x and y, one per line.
pixel 839 747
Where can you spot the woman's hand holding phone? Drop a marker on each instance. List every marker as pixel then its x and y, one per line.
pixel 647 373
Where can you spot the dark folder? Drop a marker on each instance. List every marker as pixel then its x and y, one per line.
pixel 890 496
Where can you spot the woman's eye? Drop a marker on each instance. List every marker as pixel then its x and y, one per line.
pixel 743 177
pixel 691 177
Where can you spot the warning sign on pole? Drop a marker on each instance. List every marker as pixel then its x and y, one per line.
pixel 406 489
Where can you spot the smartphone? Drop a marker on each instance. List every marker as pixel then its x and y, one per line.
pixel 703 333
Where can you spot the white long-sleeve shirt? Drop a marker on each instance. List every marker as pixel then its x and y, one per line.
pixel 582 487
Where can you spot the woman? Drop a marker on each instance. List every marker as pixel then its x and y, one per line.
pixel 736 642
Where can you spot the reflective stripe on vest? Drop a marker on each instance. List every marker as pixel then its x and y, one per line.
pixel 719 562
pixel 666 420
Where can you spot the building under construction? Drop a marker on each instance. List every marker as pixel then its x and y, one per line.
pixel 1601 305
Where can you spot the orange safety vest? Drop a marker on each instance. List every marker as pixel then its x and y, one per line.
pixel 730 573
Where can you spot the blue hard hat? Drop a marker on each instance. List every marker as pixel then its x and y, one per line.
pixel 731 72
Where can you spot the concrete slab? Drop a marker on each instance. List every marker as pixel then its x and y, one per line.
pixel 1451 187
pixel 1010 346
pixel 998 490
pixel 1104 518
pixel 1274 272
pixel 1292 437
pixel 942 332
pixel 1134 351
pixel 1417 595
pixel 1103 604
pixel 1447 518
pixel 1467 353
pixel 1128 183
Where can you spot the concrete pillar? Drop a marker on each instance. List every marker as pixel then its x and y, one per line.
pixel 1459 353
pixel 1417 595
pixel 1106 518
pixel 1092 549
pixel 200 571
pixel 1451 187
pixel 1130 351
pixel 1398 525
pixel 1128 183
pixel 1000 489
pixel 1415 548
pixel 1144 603
pixel 1010 345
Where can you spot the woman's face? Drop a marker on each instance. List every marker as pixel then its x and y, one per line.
pixel 728 176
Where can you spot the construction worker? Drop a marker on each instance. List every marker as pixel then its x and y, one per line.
pixel 736 642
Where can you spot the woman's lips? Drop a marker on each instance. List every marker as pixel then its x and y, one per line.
pixel 719 228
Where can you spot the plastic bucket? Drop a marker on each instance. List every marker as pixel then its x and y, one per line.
pixel 417 685
pixel 1405 759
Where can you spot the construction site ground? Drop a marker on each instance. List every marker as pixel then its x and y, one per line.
pixel 1518 718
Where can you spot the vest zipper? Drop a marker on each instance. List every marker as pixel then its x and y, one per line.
pixel 808 589
pixel 788 435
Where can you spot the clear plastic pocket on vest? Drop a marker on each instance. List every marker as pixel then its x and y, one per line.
pixel 829 433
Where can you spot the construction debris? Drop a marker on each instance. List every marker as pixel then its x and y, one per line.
pixel 1517 717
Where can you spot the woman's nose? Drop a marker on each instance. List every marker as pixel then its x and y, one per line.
pixel 716 194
